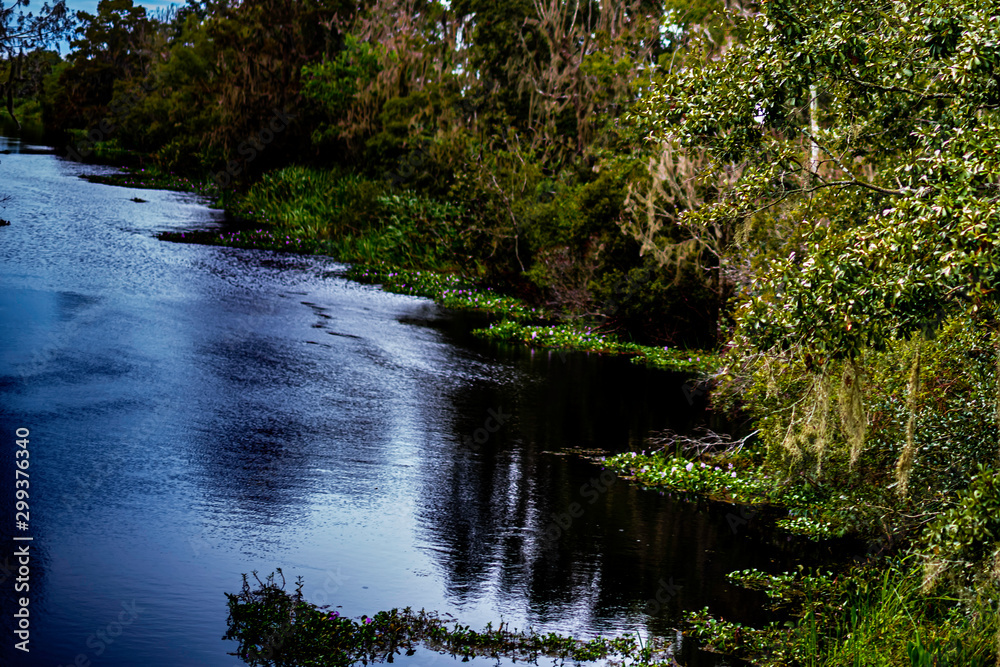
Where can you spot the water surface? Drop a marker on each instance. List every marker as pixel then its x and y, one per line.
pixel 201 412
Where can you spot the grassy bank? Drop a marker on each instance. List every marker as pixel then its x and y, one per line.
pixel 387 236
pixel 519 323
pixel 930 598
pixel 875 615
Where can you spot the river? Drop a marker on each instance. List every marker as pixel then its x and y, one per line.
pixel 197 412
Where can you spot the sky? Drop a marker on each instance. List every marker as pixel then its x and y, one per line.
pixel 91 5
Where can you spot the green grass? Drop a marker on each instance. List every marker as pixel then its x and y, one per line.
pixel 874 615
pixel 356 219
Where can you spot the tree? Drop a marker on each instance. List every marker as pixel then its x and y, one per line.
pixel 23 32
pixel 392 50
pixel 262 47
pixel 867 136
pixel 896 224
pixel 110 46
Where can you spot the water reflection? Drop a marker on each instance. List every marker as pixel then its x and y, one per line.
pixel 203 412
pixel 513 516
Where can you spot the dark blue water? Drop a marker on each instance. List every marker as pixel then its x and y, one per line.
pixel 198 412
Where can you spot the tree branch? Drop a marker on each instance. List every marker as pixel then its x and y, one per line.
pixel 899 89
pixel 829 184
pixel 856 183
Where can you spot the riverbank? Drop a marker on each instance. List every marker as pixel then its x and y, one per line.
pixel 831 228
pixel 516 321
pixel 822 631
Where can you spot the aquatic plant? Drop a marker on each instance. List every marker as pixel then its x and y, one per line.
pixel 274 627
pixel 579 337
pixel 450 290
pixel 155 179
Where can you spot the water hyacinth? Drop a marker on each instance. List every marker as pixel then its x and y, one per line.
pixel 518 322
pixel 574 337
pixel 664 470
pixel 155 179
pixel 448 290
pixel 260 612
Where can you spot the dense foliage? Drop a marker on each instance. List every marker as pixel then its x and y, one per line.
pixel 857 145
pixel 810 187
pixel 473 137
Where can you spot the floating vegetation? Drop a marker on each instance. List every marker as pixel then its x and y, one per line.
pixel 581 338
pixel 274 627
pixel 665 471
pixel 814 529
pixel 448 290
pixel 155 179
pixel 521 324
pixel 259 239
